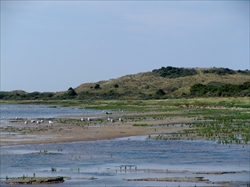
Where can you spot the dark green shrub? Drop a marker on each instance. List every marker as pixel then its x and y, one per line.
pixel 97 86
pixel 160 92
pixel 174 72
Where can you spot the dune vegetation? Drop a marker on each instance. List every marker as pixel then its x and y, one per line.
pixel 164 83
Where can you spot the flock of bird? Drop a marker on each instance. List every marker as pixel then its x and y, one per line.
pixel 51 122
pixel 38 122
pixel 82 119
pixel 109 119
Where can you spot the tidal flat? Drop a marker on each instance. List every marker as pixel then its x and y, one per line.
pixel 156 146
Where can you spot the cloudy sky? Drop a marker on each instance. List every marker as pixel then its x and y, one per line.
pixel 54 45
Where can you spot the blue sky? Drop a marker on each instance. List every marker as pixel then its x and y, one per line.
pixel 54 45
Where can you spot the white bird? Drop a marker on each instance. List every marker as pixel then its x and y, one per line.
pixel 109 118
pixel 51 122
pixel 82 119
pixel 42 121
pixel 32 121
pixel 26 122
pixel 112 121
pixel 89 119
pixel 38 122
pixel 120 119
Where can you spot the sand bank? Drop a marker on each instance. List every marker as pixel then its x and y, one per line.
pixel 71 128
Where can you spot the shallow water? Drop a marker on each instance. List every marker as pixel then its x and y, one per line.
pixel 30 111
pixel 101 160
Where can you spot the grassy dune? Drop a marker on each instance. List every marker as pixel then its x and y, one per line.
pixel 142 84
pixel 163 83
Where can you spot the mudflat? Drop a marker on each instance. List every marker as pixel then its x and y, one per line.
pixel 97 127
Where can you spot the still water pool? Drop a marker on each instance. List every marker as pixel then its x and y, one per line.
pixel 102 159
pixel 29 111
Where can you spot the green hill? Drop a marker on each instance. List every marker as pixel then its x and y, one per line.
pixel 162 83
pixel 166 82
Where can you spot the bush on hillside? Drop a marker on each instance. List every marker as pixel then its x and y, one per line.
pixel 174 72
pixel 246 72
pixel 69 94
pixel 116 85
pixel 26 96
pixel 160 92
pixel 223 90
pixel 97 86
pixel 219 71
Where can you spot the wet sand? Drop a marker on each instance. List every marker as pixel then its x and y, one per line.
pixel 72 129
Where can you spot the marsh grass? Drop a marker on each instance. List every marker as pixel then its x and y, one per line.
pixel 221 125
pixel 166 104
pixel 225 132
pixel 141 125
pixel 115 107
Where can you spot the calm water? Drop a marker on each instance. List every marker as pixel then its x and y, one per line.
pixel 39 111
pixel 101 159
